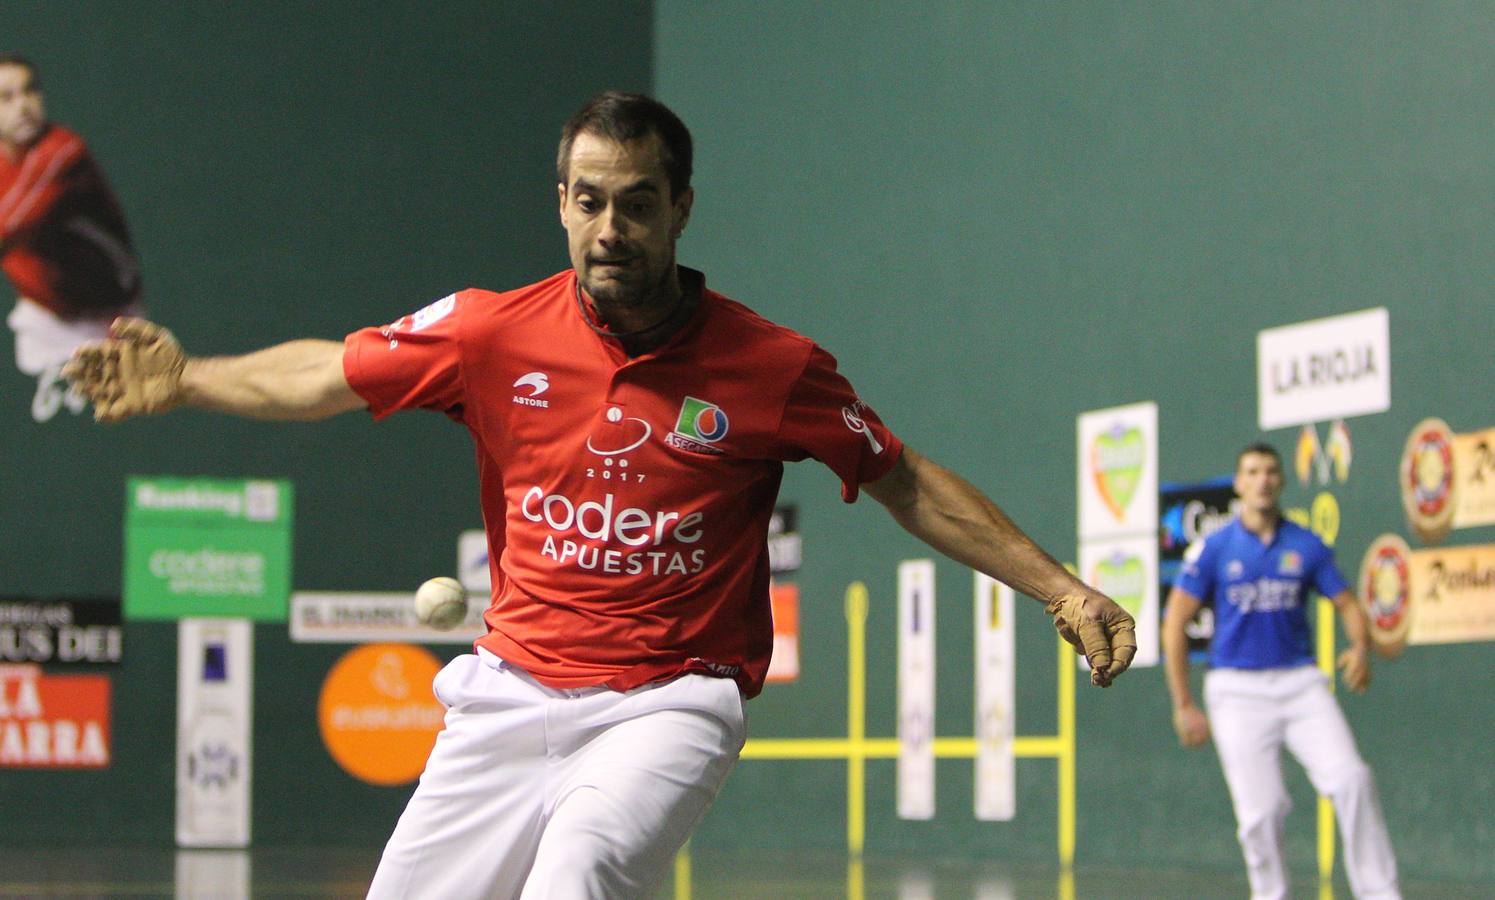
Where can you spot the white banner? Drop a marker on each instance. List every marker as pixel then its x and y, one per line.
pixel 215 679
pixel 343 617
pixel 996 701
pixel 1324 369
pixel 1126 570
pixel 1117 471
pixel 916 689
pixel 472 564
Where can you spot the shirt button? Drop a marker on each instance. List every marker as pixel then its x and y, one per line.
pixel 614 414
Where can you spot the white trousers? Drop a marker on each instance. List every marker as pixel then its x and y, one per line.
pixel 1252 714
pixel 534 792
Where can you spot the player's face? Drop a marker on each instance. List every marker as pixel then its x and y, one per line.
pixel 620 222
pixel 21 113
pixel 1258 481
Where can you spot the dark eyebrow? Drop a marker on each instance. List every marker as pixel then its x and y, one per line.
pixel 642 186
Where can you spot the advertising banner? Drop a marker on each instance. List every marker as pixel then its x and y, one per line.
pixel 215 684
pixel 377 713
pixel 1324 369
pixel 472 563
pixel 207 547
pixel 1191 511
pixel 1438 596
pixel 1126 570
pixel 1447 480
pixel 916 689
pixel 53 721
pixel 62 631
pixel 363 617
pixel 1117 478
pixel 783 666
pixel 785 549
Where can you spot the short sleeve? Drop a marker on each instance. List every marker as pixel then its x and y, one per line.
pixel 415 362
pixel 1197 574
pixel 824 418
pixel 1327 579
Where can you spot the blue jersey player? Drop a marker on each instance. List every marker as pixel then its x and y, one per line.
pixel 1263 690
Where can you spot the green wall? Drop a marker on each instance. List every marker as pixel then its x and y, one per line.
pixel 999 215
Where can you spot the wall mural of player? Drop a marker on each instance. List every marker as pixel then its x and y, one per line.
pixel 64 244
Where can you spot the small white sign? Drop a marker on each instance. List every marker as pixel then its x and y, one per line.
pixel 1126 570
pixel 916 689
pixel 996 701
pixel 1117 477
pixel 472 563
pixel 1324 369
pixel 336 617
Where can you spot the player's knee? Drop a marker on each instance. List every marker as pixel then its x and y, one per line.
pixel 1263 824
pixel 1353 778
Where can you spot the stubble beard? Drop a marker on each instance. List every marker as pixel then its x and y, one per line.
pixel 633 297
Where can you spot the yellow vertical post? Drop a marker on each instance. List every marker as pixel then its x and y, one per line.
pixel 1325 635
pixel 682 873
pixel 856 720
pixel 1067 667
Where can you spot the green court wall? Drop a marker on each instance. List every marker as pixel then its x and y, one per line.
pixel 997 216
pixel 1000 215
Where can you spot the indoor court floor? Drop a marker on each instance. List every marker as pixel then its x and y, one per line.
pixel 763 875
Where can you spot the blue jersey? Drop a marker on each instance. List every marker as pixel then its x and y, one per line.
pixel 1258 593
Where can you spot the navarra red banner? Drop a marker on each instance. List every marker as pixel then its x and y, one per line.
pixel 53 721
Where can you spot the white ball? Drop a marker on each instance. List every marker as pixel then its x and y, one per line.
pixel 441 603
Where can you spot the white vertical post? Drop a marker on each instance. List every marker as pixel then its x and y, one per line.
pixel 215 675
pixel 996 701
pixel 916 689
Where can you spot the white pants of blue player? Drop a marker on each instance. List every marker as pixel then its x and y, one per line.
pixel 1252 714
pixel 534 792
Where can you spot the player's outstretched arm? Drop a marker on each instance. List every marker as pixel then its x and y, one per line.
pixel 141 369
pixel 949 514
pixel 1188 719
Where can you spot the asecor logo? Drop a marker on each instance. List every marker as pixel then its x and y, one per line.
pixel 537 383
pixel 700 424
pixel 853 416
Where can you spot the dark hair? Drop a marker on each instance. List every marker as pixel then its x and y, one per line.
pixel 1261 447
pixel 624 118
pixel 16 59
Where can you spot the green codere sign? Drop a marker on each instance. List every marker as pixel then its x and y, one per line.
pixel 207 547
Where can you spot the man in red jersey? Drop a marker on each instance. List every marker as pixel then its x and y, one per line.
pixel 631 427
pixel 63 240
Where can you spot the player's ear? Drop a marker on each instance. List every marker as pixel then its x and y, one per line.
pixel 560 190
pixel 681 211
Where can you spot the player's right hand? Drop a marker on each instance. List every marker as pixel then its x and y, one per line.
pixel 1099 629
pixel 136 371
pixel 1192 726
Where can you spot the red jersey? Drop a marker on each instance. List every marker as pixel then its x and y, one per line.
pixel 65 243
pixel 626 500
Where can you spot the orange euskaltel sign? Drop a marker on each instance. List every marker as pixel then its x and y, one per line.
pixel 378 716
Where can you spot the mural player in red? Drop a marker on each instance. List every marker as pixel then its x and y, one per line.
pixel 631 425
pixel 63 240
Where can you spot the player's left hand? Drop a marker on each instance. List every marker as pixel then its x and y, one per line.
pixel 1354 666
pixel 136 371
pixel 1099 629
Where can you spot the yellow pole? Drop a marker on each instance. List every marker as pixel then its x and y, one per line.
pixel 1067 667
pixel 1325 629
pixel 682 873
pixel 856 724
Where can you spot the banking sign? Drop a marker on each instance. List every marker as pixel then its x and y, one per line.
pixel 207 547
